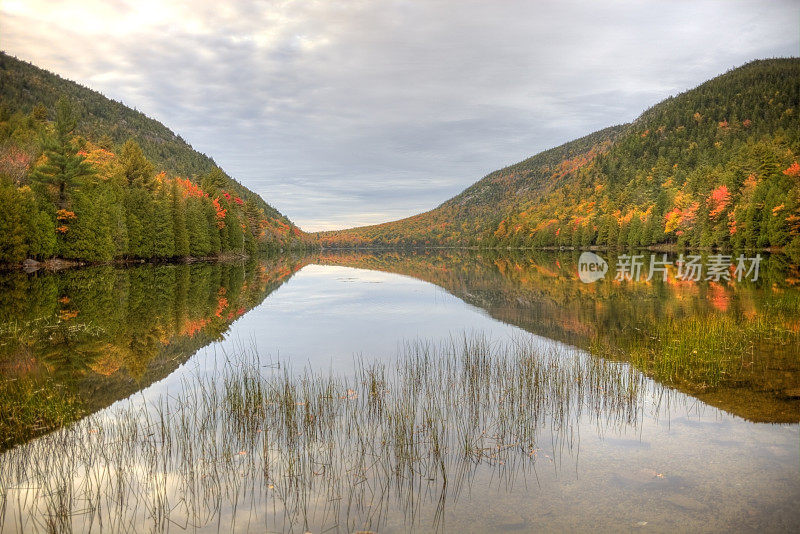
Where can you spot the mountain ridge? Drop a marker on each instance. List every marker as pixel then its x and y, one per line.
pixel 675 175
pixel 84 177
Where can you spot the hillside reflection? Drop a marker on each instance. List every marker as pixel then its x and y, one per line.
pixel 541 293
pixel 74 342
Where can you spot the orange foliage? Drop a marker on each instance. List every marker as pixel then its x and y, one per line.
pixel 718 201
pixel 66 315
pixel 570 165
pixel 192 327
pixel 65 215
pixel 98 157
pixel 191 189
pixel 732 224
pixel 718 296
pixel 222 303
pixel 793 170
pixel 221 212
pixel 681 219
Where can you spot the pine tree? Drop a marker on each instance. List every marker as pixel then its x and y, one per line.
pixel 88 236
pixel 235 234
pixel 63 167
pixel 138 215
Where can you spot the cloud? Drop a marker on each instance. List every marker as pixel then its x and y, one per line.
pixel 358 112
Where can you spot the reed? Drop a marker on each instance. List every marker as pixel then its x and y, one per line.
pixel 259 444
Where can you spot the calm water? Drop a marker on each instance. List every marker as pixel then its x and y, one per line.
pixel 674 456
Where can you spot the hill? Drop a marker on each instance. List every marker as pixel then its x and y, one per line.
pixel 99 181
pixel 715 166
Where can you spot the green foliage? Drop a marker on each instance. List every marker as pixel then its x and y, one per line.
pixel 13 246
pixel 181 232
pixel 135 167
pixel 89 236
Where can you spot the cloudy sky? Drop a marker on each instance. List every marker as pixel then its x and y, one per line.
pixel 343 113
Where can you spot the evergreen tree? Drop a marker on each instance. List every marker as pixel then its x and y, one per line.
pixel 63 167
pixel 135 167
pixel 139 215
pixel 13 244
pixel 88 236
pixel 161 227
pixel 198 228
pixel 235 233
pixel 179 222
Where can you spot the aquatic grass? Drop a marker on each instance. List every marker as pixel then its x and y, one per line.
pixel 294 450
pixel 704 351
pixel 31 407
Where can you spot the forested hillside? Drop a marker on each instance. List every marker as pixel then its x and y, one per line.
pixel 83 177
pixel 716 166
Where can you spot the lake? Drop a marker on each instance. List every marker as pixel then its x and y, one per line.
pixel 383 391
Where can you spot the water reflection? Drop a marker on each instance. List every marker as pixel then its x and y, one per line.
pixel 755 376
pixel 74 342
pixel 336 424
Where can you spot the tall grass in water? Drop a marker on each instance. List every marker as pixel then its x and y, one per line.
pixel 258 447
pixel 705 351
pixel 31 402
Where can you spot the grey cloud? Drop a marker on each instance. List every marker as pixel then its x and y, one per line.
pixel 358 112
